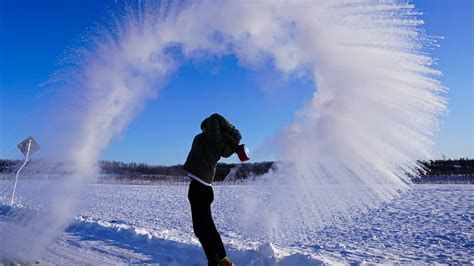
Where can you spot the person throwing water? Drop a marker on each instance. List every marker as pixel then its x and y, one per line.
pixel 219 138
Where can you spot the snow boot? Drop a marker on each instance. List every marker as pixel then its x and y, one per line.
pixel 225 262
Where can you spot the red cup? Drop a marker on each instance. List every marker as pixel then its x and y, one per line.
pixel 243 153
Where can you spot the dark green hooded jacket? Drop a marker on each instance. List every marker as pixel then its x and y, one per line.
pixel 219 138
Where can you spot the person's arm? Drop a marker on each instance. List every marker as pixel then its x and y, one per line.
pixel 231 144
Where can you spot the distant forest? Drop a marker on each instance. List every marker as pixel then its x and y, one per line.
pixel 439 171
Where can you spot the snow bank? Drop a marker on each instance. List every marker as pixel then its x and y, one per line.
pixel 170 250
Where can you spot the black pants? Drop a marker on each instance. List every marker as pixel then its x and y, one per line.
pixel 200 197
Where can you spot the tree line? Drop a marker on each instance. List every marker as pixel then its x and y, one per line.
pixel 241 171
pixel 132 170
pixel 442 171
pixel 437 170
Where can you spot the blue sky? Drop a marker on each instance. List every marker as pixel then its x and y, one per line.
pixel 36 33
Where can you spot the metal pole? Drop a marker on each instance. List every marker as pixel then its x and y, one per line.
pixel 19 170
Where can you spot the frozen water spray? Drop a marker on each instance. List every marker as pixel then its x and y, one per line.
pixel 374 112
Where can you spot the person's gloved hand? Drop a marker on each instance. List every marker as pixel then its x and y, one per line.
pixel 232 141
pixel 230 145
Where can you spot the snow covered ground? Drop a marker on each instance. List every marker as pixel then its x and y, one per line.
pixel 119 224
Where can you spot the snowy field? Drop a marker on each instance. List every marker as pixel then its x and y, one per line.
pixel 122 224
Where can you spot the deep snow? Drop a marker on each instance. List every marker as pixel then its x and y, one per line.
pixel 152 224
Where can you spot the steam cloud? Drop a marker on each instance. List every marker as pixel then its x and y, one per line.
pixel 373 114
